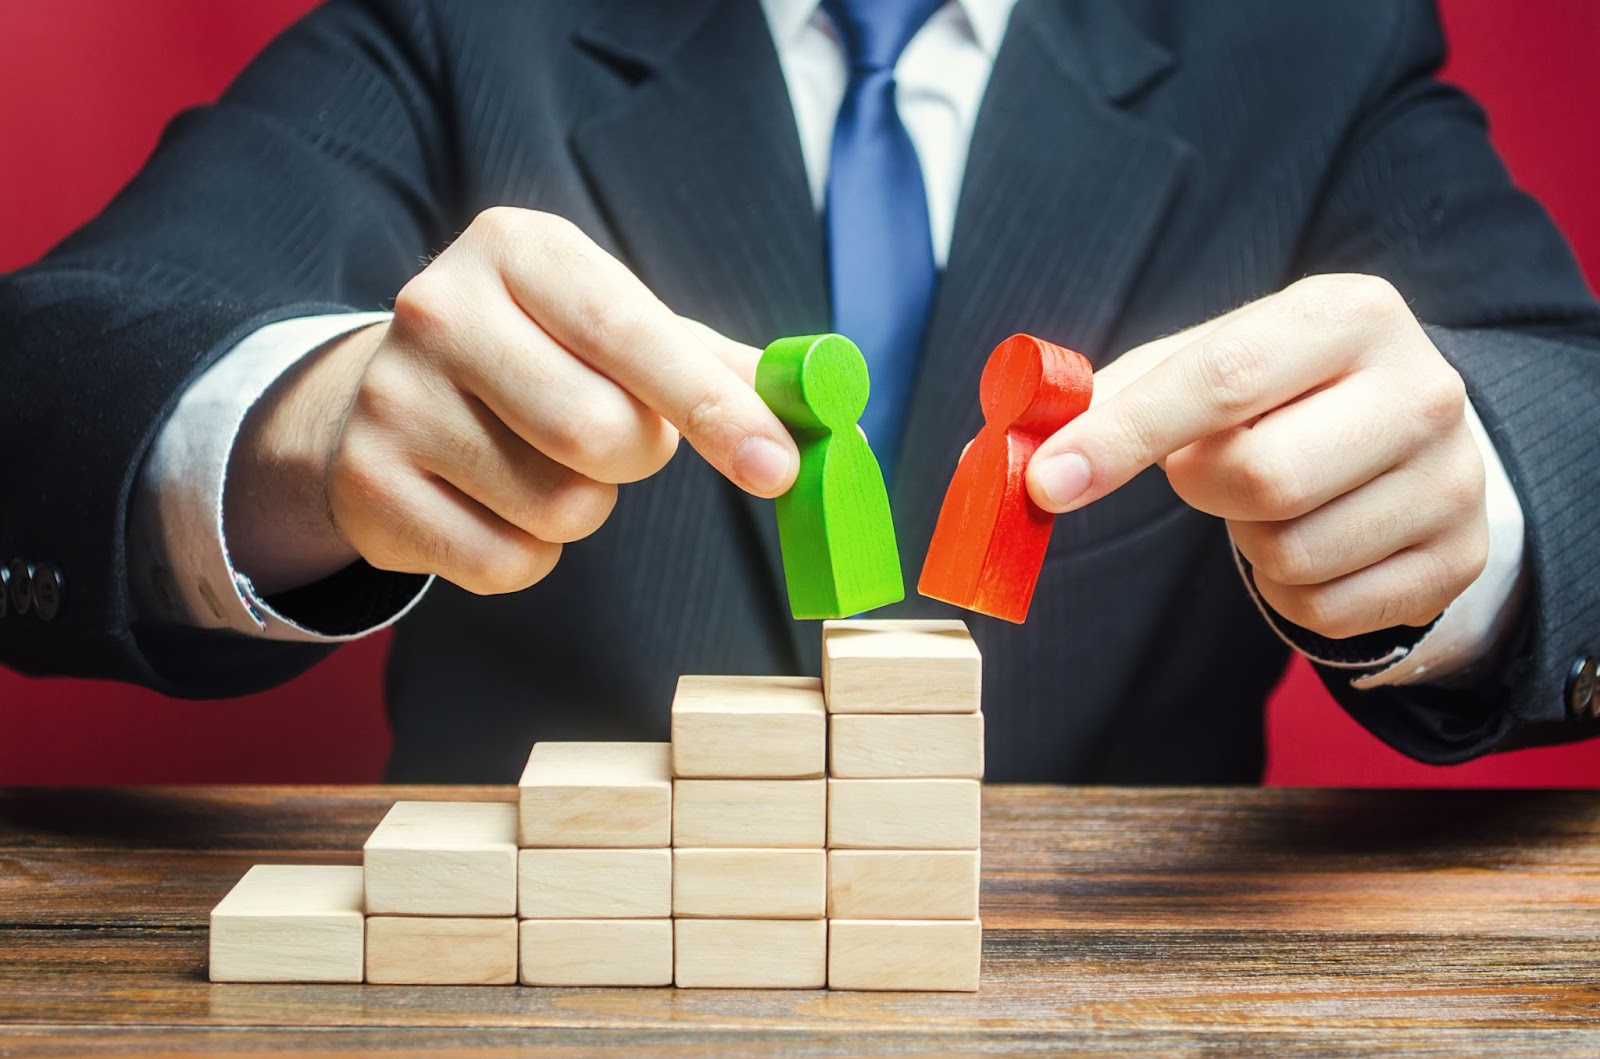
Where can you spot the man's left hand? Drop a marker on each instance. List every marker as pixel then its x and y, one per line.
pixel 1324 426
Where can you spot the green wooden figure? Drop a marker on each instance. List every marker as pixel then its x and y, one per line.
pixel 834 525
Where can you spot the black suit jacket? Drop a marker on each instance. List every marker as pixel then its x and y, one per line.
pixel 1137 165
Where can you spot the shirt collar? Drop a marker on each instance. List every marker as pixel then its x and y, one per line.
pixel 988 18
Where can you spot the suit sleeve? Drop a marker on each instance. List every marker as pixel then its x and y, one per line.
pixel 313 186
pixel 1419 196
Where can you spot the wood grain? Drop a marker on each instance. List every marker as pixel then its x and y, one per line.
pixel 594 883
pixel 596 794
pixel 750 883
pixel 787 814
pixel 439 950
pixel 903 884
pixel 749 728
pixel 289 923
pixel 903 814
pixel 900 666
pixel 749 953
pixel 905 954
pixel 1145 922
pixel 595 952
pixel 905 745
pixel 443 859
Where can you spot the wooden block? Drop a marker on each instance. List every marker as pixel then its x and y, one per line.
pixel 751 953
pixel 906 745
pixel 597 795
pixel 904 814
pixel 596 952
pixel 435 950
pixel 750 883
pixel 781 814
pixel 290 923
pixel 903 884
pixel 990 540
pixel 443 859
pixel 905 666
pixel 905 954
pixel 749 727
pixel 835 528
pixel 595 883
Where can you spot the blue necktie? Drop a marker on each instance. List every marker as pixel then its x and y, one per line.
pixel 880 253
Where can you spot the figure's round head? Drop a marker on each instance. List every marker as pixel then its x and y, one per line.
pixel 1030 384
pixel 814 381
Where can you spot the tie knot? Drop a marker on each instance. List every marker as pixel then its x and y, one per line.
pixel 875 32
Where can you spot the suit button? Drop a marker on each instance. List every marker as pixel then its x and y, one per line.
pixel 21 585
pixel 1581 688
pixel 5 591
pixel 48 588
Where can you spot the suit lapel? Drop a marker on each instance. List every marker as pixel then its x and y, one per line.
pixel 1063 196
pixel 697 168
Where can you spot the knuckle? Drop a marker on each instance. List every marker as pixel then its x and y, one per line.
pixel 568 441
pixel 1346 299
pixel 1366 296
pixel 1474 560
pixel 1270 488
pixel 1328 612
pixel 1285 558
pixel 1458 565
pixel 611 321
pixel 600 442
pixel 1441 398
pixel 1137 425
pixel 553 227
pixel 1312 607
pixel 529 562
pixel 705 415
pixel 501 226
pixel 660 449
pixel 505 565
pixel 1463 492
pixel 359 478
pixel 424 308
pixel 574 509
pixel 387 395
pixel 1233 372
pixel 562 242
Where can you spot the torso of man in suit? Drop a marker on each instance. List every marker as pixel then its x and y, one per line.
pixel 1133 169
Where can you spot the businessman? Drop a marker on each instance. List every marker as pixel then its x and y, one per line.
pixel 410 325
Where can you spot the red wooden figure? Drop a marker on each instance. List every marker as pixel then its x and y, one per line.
pixel 991 537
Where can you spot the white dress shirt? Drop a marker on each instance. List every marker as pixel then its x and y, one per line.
pixel 177 529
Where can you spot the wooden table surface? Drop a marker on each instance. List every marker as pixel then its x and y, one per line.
pixel 1130 920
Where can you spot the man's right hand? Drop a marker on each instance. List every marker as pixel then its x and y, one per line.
pixel 525 374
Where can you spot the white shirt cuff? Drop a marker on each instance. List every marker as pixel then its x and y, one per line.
pixel 181 568
pixel 1476 621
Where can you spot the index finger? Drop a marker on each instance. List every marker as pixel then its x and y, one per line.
pixel 591 304
pixel 1252 363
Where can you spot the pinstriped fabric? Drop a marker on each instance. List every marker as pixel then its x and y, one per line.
pixel 1138 165
pixel 1524 382
pixel 1026 255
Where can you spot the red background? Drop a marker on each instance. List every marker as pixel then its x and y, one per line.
pixel 87 86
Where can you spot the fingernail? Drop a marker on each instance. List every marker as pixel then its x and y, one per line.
pixel 761 463
pixel 1064 478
